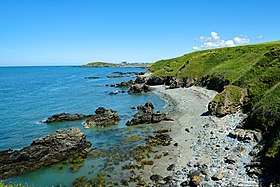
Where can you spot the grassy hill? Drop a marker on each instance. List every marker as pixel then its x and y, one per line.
pixel 255 68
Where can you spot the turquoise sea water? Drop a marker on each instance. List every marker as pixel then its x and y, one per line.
pixel 31 94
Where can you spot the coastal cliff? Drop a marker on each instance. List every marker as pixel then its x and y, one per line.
pixel 247 78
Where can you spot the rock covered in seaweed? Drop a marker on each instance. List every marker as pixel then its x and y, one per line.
pixel 42 152
pixel 146 115
pixel 65 117
pixel 102 118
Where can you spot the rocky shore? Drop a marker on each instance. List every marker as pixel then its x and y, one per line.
pixel 205 150
pixel 45 151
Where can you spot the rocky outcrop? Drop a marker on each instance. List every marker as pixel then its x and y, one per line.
pixel 138 88
pixel 65 117
pixel 228 102
pixel 141 79
pixel 124 84
pixel 153 81
pixel 145 115
pixel 42 152
pixel 102 118
pixel 246 135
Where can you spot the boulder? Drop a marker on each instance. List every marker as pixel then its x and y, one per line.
pixel 245 135
pixel 140 79
pixel 145 115
pixel 102 118
pixel 218 176
pixel 42 152
pixel 138 88
pixel 65 117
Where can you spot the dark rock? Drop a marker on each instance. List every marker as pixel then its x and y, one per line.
pixel 147 108
pixel 140 79
pixel 146 115
pixel 171 167
pixel 92 77
pixel 114 76
pixel 135 88
pixel 168 179
pixel 187 129
pixel 185 183
pixel 102 118
pixel 156 177
pixel 113 93
pixel 42 152
pixel 65 117
pixel 159 140
pixel 123 84
pixel 152 81
pixel 138 88
pixel 231 159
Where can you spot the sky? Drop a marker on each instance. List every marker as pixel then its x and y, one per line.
pixel 74 32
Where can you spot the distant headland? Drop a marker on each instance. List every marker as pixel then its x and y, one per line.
pixel 122 64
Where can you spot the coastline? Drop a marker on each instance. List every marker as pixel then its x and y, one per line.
pixel 200 143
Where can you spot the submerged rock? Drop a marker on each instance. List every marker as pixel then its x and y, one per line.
pixel 65 117
pixel 102 118
pixel 42 152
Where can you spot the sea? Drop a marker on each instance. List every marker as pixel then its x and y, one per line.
pixel 29 95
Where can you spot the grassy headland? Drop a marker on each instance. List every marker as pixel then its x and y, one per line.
pixel 107 64
pixel 254 68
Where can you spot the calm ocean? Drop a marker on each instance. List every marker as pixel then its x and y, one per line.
pixel 31 94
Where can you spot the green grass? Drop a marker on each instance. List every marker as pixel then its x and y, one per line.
pixel 255 68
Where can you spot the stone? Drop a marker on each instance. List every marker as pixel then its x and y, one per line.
pixel 231 159
pixel 156 177
pixel 42 152
pixel 195 181
pixel 65 117
pixel 171 167
pixel 102 118
pixel 218 176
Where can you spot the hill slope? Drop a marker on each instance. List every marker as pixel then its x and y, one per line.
pixel 254 68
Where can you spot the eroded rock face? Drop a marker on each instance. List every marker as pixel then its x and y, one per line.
pixel 65 117
pixel 228 102
pixel 42 152
pixel 146 115
pixel 102 118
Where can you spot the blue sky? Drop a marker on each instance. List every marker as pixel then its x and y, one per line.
pixel 73 32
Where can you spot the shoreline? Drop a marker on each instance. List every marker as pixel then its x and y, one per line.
pixel 200 143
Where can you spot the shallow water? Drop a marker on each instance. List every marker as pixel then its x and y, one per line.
pixel 30 94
